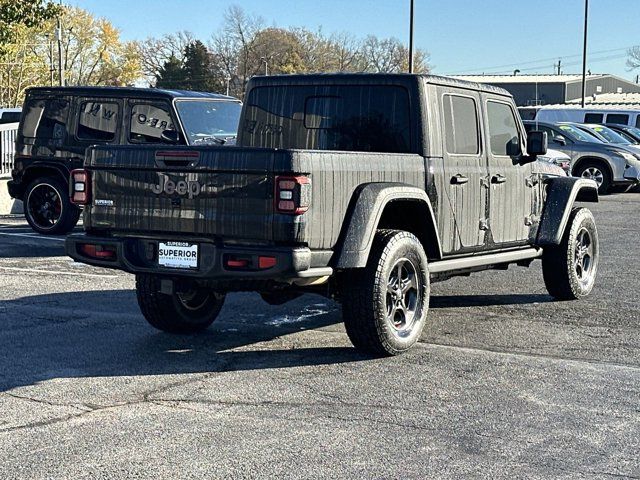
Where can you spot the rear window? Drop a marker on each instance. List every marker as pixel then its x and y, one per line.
pixel 98 121
pixel 332 117
pixel 618 118
pixel 45 118
pixel 461 125
pixel 593 117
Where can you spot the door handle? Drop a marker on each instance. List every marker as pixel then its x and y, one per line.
pixel 498 178
pixel 459 179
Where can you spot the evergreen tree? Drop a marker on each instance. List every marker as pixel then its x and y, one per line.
pixel 199 68
pixel 172 75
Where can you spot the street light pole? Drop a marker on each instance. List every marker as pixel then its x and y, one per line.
pixel 411 38
pixel 584 54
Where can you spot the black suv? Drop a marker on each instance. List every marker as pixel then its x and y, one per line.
pixel 58 124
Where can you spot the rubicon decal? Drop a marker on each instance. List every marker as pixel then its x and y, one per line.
pixel 190 188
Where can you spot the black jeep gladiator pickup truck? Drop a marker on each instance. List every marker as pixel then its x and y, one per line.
pixel 361 187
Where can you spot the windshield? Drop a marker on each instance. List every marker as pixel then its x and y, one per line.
pixel 577 134
pixel 610 136
pixel 209 121
pixel 633 132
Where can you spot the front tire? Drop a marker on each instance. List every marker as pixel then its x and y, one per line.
pixel 47 207
pixel 570 269
pixel 385 304
pixel 187 311
pixel 597 171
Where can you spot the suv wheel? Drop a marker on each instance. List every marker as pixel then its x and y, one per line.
pixel 187 311
pixel 47 207
pixel 385 304
pixel 597 171
pixel 570 268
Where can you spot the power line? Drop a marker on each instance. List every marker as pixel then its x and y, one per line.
pixel 540 60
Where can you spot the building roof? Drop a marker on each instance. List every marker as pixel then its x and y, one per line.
pixel 611 99
pixel 372 78
pixel 529 78
pixel 588 106
pixel 129 91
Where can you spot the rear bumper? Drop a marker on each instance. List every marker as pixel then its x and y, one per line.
pixel 139 255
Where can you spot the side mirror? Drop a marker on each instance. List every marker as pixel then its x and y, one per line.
pixel 537 143
pixel 560 140
pixel 170 136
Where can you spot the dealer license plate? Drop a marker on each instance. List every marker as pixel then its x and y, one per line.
pixel 178 255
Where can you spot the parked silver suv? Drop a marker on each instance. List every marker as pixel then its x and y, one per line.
pixel 606 163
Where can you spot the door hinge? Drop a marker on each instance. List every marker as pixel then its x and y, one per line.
pixel 529 220
pixel 532 180
pixel 484 225
pixel 484 181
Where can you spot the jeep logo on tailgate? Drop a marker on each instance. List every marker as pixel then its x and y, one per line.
pixel 191 188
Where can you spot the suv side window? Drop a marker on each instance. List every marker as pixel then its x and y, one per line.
pixel 503 130
pixel 45 119
pixel 620 118
pixel 461 125
pixel 593 118
pixel 98 120
pixel 148 121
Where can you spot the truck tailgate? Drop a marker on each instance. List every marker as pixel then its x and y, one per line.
pixel 214 191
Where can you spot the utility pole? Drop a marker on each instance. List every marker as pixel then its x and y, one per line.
pixel 52 69
pixel 584 54
pixel 60 50
pixel 411 38
pixel 558 65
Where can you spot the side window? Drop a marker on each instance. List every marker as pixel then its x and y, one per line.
pixel 503 130
pixel 148 121
pixel 638 121
pixel 461 125
pixel 593 118
pixel 98 121
pixel 45 119
pixel 619 118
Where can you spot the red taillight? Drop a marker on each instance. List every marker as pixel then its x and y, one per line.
pixel 292 194
pixel 80 187
pixel 101 252
pixel 266 262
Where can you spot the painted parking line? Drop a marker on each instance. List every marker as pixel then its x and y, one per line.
pixel 35 236
pixel 56 272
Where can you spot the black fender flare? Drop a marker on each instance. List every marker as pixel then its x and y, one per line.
pixel 368 205
pixel 56 169
pixel 562 193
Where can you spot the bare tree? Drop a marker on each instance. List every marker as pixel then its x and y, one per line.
pixel 233 46
pixel 633 60
pixel 389 55
pixel 155 52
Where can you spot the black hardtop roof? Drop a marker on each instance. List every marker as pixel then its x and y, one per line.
pixel 134 92
pixel 372 78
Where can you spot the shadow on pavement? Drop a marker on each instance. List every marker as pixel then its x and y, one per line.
pixel 103 333
pixel 450 301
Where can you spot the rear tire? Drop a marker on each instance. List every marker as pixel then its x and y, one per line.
pixel 570 269
pixel 188 311
pixel 385 304
pixel 47 207
pixel 599 172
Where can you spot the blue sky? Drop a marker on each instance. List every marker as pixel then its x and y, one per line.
pixel 462 36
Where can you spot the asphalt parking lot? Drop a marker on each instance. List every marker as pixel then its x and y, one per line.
pixel 505 383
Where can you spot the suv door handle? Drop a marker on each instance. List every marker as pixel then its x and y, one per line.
pixel 498 178
pixel 459 179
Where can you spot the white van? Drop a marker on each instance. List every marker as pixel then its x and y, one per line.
pixel 621 114
pixel 10 115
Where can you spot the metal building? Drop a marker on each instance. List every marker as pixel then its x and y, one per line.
pixel 552 89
